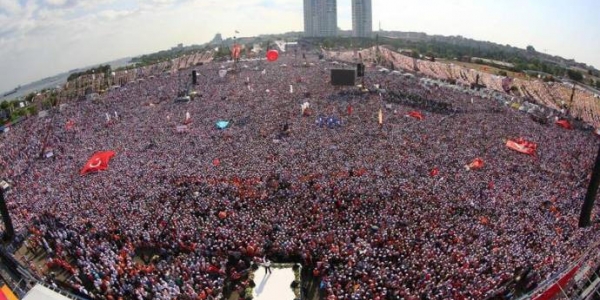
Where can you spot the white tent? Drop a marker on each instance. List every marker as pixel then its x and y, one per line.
pixel 40 292
pixel 275 285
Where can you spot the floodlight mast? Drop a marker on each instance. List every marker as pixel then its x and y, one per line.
pixel 590 197
pixel 9 231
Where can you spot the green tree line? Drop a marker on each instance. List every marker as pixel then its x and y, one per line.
pixel 102 69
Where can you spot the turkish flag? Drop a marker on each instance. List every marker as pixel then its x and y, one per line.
pixel 523 146
pixel 415 114
pixel 98 161
pixel 475 164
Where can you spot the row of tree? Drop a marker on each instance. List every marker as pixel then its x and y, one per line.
pixel 12 110
pixel 458 48
pixel 102 69
pixel 164 55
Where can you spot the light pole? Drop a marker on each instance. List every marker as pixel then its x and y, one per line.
pixel 590 197
pixel 9 231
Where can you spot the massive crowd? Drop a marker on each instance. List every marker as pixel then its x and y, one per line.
pixel 184 214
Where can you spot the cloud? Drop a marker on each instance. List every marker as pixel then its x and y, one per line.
pixel 56 2
pixel 52 36
pixel 9 7
pixel 111 15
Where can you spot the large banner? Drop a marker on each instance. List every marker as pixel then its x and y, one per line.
pixel 7 294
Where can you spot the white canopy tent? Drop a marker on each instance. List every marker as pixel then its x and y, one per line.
pixel 40 292
pixel 275 285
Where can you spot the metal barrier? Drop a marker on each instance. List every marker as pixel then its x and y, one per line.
pixel 552 287
pixel 20 280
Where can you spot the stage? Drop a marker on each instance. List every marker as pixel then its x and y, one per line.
pixel 275 285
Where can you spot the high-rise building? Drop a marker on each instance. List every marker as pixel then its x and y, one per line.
pixel 320 18
pixel 362 18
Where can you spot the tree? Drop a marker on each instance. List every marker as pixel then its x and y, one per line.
pixel 32 110
pixel 46 104
pixel 14 104
pixel 30 97
pixel 598 84
pixel 416 54
pixel 575 75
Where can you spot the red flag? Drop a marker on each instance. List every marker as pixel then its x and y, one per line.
pixel 415 114
pixel 216 162
pixel 236 51
pixel 475 164
pixel 349 109
pixel 98 161
pixel 434 172
pixel 521 145
pixel 70 124
pixel 564 124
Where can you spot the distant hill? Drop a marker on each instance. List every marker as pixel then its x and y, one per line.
pixel 485 46
pixel 459 48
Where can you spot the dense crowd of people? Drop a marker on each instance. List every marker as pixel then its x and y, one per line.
pixel 187 214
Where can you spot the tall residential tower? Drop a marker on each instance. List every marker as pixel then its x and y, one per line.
pixel 362 18
pixel 320 18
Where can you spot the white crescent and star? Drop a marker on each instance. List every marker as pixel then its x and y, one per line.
pixel 96 163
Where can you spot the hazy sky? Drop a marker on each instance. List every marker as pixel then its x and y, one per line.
pixel 40 38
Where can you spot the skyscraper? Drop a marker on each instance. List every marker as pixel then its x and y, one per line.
pixel 362 18
pixel 320 18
